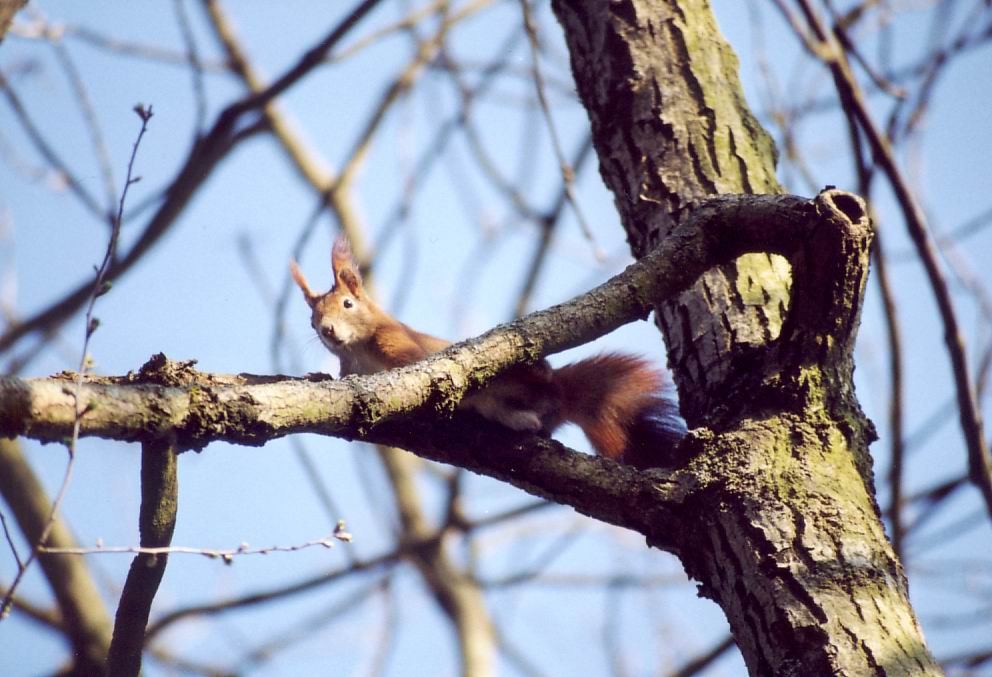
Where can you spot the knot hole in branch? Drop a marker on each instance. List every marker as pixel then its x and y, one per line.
pixel 842 203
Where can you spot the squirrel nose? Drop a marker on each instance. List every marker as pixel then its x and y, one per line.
pixel 328 332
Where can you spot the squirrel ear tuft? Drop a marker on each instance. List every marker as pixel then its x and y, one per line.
pixel 301 282
pixel 341 255
pixel 345 269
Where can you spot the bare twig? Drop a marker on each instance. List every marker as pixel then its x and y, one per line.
pixel 310 59
pixel 701 662
pixel 386 640
pixel 273 594
pixel 100 287
pixel 46 151
pixel 970 660
pixel 840 29
pixel 567 171
pixel 968 411
pixel 306 627
pixel 82 616
pixel 195 63
pixel 225 555
pixel 384 560
pixel 407 22
pixel 82 98
pixel 439 143
pixel 10 542
pixel 39 29
pixel 49 617
pixel 548 224
pixel 202 160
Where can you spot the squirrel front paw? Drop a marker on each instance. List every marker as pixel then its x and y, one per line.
pixel 497 409
pixel 523 421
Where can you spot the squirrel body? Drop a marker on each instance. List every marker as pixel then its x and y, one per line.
pixel 614 398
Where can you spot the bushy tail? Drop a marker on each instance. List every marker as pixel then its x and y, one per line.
pixel 617 401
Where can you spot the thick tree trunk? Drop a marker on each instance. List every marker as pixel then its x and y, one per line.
pixel 770 504
pixel 671 127
pixel 771 511
pixel 783 532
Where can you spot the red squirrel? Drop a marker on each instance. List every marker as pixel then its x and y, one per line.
pixel 614 398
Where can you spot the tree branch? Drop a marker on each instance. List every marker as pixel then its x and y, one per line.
pixel 157 521
pixel 969 413
pixel 85 622
pixel 167 398
pixel 164 397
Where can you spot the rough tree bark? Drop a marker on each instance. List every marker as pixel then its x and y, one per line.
pixel 770 511
pixel 671 127
pixel 788 537
pixel 770 504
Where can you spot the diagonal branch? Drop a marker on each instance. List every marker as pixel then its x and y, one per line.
pixel 165 398
pixel 252 410
pixel 84 619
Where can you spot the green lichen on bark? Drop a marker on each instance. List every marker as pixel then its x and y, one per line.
pixel 765 281
pixel 671 127
pixel 783 496
pixel 743 154
pixel 783 515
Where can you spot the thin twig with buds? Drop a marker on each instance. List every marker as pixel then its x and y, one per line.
pixel 227 555
pixel 100 287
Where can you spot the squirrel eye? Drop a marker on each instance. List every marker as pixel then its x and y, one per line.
pixel 347 303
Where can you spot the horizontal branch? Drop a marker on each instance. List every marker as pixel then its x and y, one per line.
pixel 199 408
pixel 172 398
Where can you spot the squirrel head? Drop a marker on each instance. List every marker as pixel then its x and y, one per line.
pixel 345 316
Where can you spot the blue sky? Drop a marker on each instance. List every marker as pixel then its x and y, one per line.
pixel 454 270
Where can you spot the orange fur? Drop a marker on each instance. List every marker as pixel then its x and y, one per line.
pixel 615 398
pixel 397 345
pixel 603 395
